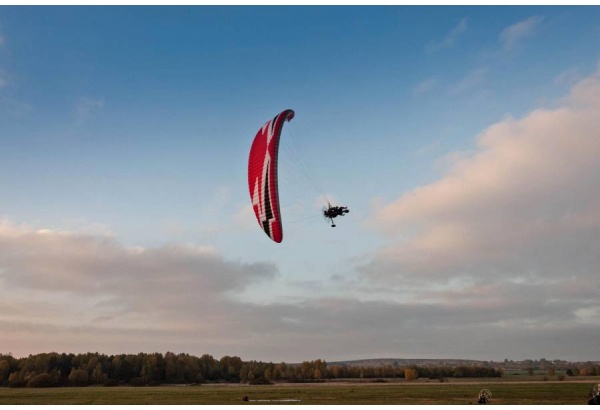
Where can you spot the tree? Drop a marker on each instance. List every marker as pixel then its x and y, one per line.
pixel 173 373
pixel 17 379
pixel 4 371
pixel 317 374
pixel 91 364
pixel 336 371
pixel 151 368
pixel 79 377
pixel 244 374
pixel 410 374
pixel 388 371
pixel 267 374
pixel 231 367
pixel 588 371
pixel 98 376
pixel 42 380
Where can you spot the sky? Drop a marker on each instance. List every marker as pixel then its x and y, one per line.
pixel 464 140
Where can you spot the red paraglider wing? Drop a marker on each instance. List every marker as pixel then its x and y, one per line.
pixel 262 175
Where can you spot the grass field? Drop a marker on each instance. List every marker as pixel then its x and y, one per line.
pixel 324 393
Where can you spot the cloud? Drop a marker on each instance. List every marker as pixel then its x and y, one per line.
pixel 450 38
pixel 72 262
pixel 314 328
pixel 524 208
pixel 568 77
pixel 80 279
pixel 512 35
pixel 471 81
pixel 425 86
pixel 73 292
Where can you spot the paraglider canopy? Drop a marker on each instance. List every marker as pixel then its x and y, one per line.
pixel 263 179
pixel 262 175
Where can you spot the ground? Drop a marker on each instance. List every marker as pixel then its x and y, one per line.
pixel 339 392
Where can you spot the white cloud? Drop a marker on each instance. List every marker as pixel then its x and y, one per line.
pixel 512 35
pixel 450 39
pixel 522 212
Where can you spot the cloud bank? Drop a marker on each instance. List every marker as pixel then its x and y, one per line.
pixel 513 226
pixel 60 283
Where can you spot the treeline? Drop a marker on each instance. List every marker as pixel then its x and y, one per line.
pixel 142 369
pixel 410 372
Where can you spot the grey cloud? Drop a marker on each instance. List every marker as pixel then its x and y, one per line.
pixel 76 278
pixel 75 262
pixel 142 313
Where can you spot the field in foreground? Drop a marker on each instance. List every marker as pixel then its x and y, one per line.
pixel 325 393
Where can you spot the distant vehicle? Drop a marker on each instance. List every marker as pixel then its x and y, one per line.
pixel 484 396
pixel 595 395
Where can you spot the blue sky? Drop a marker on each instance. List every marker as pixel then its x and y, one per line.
pixel 126 130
